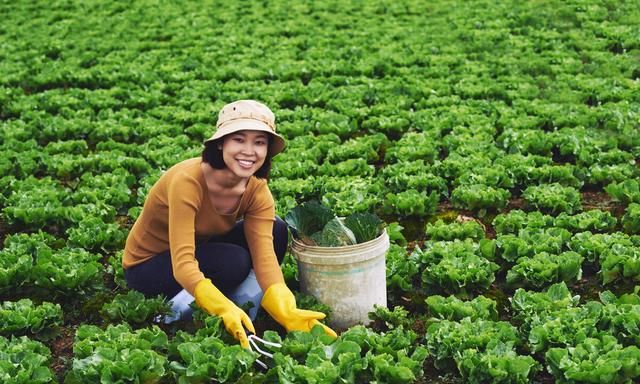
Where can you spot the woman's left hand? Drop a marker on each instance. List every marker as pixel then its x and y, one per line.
pixel 280 303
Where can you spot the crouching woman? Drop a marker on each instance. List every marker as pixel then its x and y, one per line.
pixel 208 226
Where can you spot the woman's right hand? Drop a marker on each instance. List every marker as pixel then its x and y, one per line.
pixel 214 302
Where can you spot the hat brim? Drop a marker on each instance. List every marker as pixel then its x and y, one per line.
pixel 277 145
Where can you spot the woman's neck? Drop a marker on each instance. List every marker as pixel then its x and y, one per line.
pixel 222 179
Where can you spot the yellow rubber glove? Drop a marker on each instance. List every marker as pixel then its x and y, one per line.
pixel 214 302
pixel 280 303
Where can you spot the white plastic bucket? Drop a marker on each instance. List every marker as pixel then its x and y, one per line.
pixel 349 279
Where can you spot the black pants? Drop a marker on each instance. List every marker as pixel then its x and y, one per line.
pixel 224 259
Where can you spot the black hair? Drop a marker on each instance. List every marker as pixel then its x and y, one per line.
pixel 212 155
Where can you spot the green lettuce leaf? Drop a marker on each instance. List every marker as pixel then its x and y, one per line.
pixel 308 218
pixel 365 226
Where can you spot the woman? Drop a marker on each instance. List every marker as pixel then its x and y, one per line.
pixel 189 237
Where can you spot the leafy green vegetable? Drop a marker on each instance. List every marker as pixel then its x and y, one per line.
pixel 394 230
pixel 94 234
pixel 308 218
pixel 593 246
pixel 457 267
pixel 411 203
pixel 631 219
pixel 118 354
pixel 528 304
pixel 498 363
pixel 564 327
pixel 513 221
pixel 334 234
pixel 348 194
pixel 446 338
pixel 365 226
pixel 315 224
pixel 398 317
pixel 134 308
pixel 401 268
pixel 24 361
pixel 455 230
pixel 205 357
pixel 480 197
pixel 620 261
pixel 544 268
pixel 454 309
pixel 416 175
pixel 594 220
pixel 598 359
pixel 625 192
pixel 553 198
pixel 22 317
pixel 358 355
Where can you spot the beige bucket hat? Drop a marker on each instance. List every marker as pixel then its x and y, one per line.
pixel 251 115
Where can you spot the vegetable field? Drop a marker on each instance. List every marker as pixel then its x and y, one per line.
pixel 498 141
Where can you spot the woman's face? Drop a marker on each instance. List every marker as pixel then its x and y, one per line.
pixel 244 152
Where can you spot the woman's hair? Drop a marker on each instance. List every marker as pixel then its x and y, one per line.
pixel 213 156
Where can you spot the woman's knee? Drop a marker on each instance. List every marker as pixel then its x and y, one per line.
pixel 226 264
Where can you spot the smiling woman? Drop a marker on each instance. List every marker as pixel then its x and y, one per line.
pixel 208 228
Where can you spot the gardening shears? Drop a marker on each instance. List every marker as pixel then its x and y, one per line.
pixel 254 342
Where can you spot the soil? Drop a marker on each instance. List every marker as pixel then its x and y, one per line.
pixel 62 352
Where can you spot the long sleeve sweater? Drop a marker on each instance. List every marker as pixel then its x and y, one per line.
pixel 178 213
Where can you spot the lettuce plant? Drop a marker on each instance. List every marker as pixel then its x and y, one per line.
pixel 348 194
pixel 118 354
pixel 553 198
pixel 598 359
pixel 94 234
pixel 316 224
pixel 530 305
pixel 620 262
pixel 411 203
pixel 367 147
pixel 545 268
pixel 594 220
pixel 40 262
pixel 349 167
pixel 133 308
pixel 455 230
pixel 446 338
pixel 358 355
pixel 513 221
pixel 463 273
pixel 567 174
pixel 631 219
pixel 204 357
pixel 24 361
pixel 454 309
pixel 599 174
pixel 621 316
pixel 416 175
pixel 493 176
pixel 479 197
pixel 394 230
pixel 400 269
pixel 392 318
pixel 593 246
pixel 498 363
pixel 625 192
pixel 414 146
pixel 530 241
pixel 24 317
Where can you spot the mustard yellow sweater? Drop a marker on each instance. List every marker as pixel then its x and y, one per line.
pixel 178 214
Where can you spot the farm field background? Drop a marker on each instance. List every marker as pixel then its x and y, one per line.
pixel 499 141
